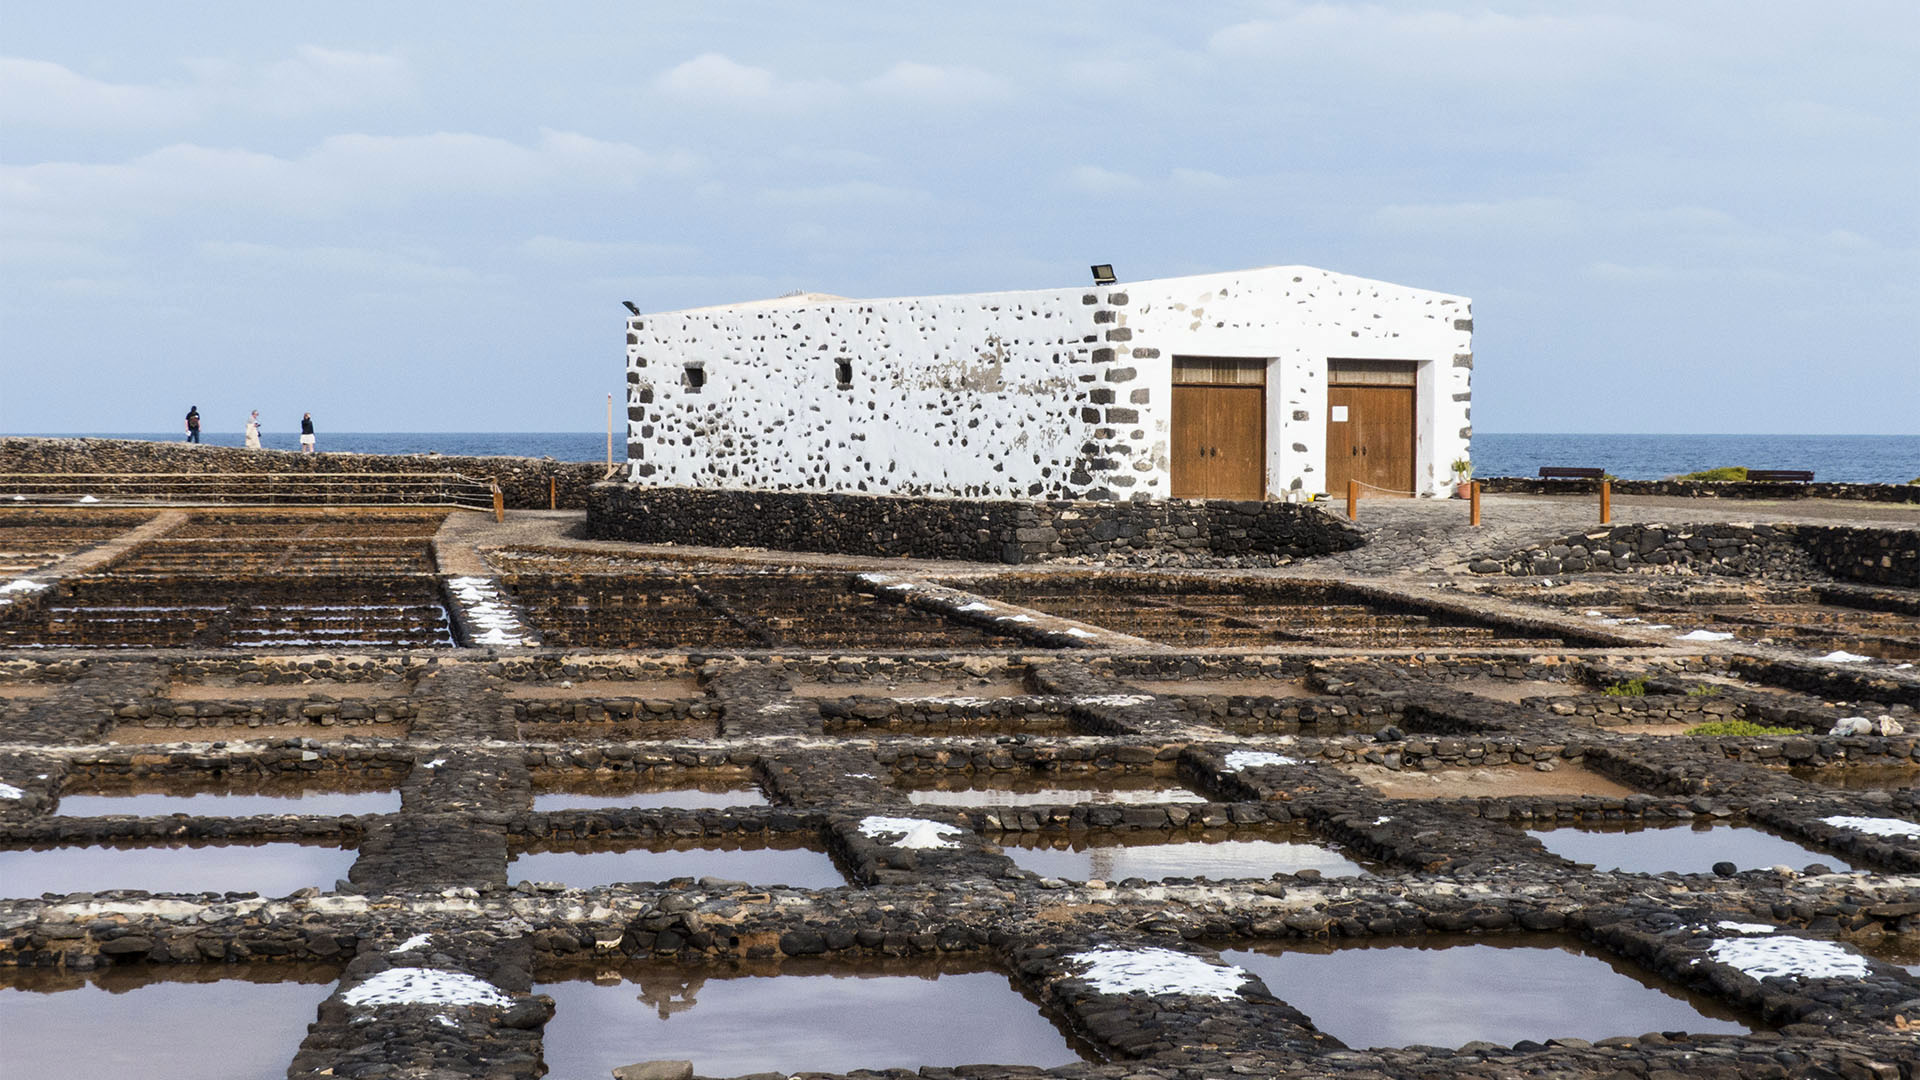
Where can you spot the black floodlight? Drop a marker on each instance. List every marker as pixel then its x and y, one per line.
pixel 631 307
pixel 1103 274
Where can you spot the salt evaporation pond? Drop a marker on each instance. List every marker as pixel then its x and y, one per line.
pixel 1447 991
pixel 595 793
pixel 799 1016
pixel 1680 848
pixel 274 869
pixel 585 866
pixel 236 797
pixel 1861 777
pixel 1115 858
pixel 141 1022
pixel 1027 789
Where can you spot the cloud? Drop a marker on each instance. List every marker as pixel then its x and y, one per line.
pixel 715 78
pixel 1535 214
pixel 358 263
pixel 41 93
pixel 849 193
pixel 933 84
pixel 316 79
pixel 340 172
pixel 1474 46
pixel 556 249
pixel 1100 181
pixel 1202 180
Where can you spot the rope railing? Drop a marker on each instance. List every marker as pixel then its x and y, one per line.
pixel 247 489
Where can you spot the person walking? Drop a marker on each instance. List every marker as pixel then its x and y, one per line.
pixel 253 430
pixel 193 424
pixel 306 433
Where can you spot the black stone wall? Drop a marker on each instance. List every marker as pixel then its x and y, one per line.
pixel 980 530
pixel 1706 489
pixel 1880 556
pixel 523 481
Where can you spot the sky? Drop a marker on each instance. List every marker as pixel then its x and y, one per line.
pixel 1671 217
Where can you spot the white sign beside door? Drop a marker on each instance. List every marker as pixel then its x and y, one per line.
pixel 1339 414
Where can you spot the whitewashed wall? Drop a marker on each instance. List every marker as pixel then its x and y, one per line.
pixel 1298 318
pixel 1043 394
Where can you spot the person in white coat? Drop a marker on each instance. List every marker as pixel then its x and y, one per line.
pixel 253 430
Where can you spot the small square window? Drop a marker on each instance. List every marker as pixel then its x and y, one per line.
pixel 843 373
pixel 694 376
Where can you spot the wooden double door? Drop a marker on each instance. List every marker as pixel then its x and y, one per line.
pixel 1370 438
pixel 1219 444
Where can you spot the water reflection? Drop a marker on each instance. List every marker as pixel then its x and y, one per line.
pixel 139 1022
pixel 1447 991
pixel 233 796
pixel 1861 777
pixel 1028 789
pixel 1640 849
pixel 797 1016
pixel 596 793
pixel 1153 856
pixel 584 865
pixel 268 869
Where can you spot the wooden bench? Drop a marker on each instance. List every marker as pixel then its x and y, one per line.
pixel 1560 472
pixel 1770 476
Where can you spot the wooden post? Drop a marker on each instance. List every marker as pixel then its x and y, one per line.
pixel 1353 500
pixel 1606 502
pixel 1473 504
pixel 499 504
pixel 553 493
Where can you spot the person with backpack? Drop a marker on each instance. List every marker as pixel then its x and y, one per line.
pixel 306 433
pixel 193 424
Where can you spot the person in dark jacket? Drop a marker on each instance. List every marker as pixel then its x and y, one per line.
pixel 193 424
pixel 306 433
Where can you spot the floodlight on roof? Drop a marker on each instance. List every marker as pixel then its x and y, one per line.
pixel 631 306
pixel 1103 274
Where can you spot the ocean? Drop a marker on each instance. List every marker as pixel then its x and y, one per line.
pixel 1892 459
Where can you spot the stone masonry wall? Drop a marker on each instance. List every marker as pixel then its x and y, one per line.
pixel 1880 556
pixel 1706 489
pixel 975 529
pixel 523 481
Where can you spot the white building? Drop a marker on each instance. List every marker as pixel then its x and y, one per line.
pixel 1244 385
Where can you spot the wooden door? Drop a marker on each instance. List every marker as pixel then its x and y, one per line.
pixel 1370 439
pixel 1219 442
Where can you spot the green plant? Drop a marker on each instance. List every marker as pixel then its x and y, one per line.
pixel 1725 472
pixel 1463 468
pixel 1915 480
pixel 1629 688
pixel 1740 727
pixel 1703 691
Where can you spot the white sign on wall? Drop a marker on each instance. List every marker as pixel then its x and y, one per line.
pixel 1339 414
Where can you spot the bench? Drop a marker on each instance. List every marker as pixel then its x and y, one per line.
pixel 1771 476
pixel 1558 472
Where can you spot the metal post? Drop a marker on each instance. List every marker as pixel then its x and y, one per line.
pixel 499 504
pixel 1353 500
pixel 1473 504
pixel 1606 502
pixel 609 434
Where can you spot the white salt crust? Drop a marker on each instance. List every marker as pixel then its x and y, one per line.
pixel 1253 759
pixel 1745 927
pixel 22 585
pixel 486 609
pixel 913 832
pixel 1840 656
pixel 1705 635
pixel 425 986
pixel 8 791
pixel 1158 972
pixel 1796 957
pixel 1874 826
pixel 417 941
